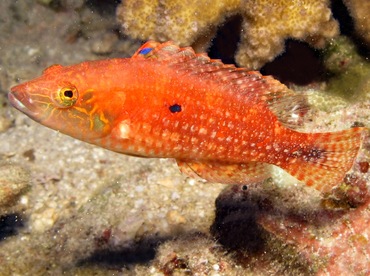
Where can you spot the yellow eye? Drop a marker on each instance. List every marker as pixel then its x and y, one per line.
pixel 67 96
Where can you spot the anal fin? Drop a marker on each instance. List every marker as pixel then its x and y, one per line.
pixel 226 173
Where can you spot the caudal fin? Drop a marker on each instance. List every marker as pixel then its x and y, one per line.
pixel 324 164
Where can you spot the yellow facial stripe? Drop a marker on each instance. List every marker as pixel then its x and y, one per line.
pixel 97 119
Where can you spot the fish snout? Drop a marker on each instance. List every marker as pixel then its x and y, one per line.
pixel 21 99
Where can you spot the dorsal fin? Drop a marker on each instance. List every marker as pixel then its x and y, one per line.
pixel 166 51
pixel 52 69
pixel 286 104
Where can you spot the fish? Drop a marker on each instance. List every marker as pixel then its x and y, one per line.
pixel 219 122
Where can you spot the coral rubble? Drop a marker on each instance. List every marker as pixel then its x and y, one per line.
pixel 266 24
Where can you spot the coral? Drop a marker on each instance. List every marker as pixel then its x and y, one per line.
pixel 180 21
pixel 269 22
pixel 238 226
pixel 359 11
pixel 299 231
pixel 343 99
pixel 266 24
pixel 350 72
pixel 335 243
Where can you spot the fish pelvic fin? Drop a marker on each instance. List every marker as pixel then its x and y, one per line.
pixel 324 163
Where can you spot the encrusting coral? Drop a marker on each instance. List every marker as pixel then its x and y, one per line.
pixel 338 247
pixel 266 24
pixel 350 72
pixel 180 21
pixel 359 11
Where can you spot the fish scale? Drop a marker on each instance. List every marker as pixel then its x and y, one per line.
pixel 221 123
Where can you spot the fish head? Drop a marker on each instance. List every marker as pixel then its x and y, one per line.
pixel 68 99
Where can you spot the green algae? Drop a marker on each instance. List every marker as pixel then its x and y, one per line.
pixel 350 72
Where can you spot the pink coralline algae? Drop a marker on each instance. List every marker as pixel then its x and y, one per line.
pixel 334 243
pixel 298 229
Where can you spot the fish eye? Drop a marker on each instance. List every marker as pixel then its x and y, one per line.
pixel 67 96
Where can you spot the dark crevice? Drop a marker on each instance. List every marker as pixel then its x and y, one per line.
pixel 225 43
pixel 340 13
pixel 10 225
pixel 103 7
pixel 299 64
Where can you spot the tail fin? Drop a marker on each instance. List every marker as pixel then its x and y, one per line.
pixel 324 163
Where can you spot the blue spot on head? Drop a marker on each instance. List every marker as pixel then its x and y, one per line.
pixel 145 51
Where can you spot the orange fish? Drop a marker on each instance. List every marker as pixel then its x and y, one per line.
pixel 222 123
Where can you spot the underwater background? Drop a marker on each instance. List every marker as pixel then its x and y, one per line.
pixel 67 207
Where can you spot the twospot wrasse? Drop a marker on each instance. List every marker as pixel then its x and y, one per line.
pixel 222 123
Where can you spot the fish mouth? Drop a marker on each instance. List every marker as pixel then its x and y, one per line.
pixel 22 101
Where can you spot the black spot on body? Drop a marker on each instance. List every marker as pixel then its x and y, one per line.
pixel 175 108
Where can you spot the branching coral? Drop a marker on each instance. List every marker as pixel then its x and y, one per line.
pixel 266 23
